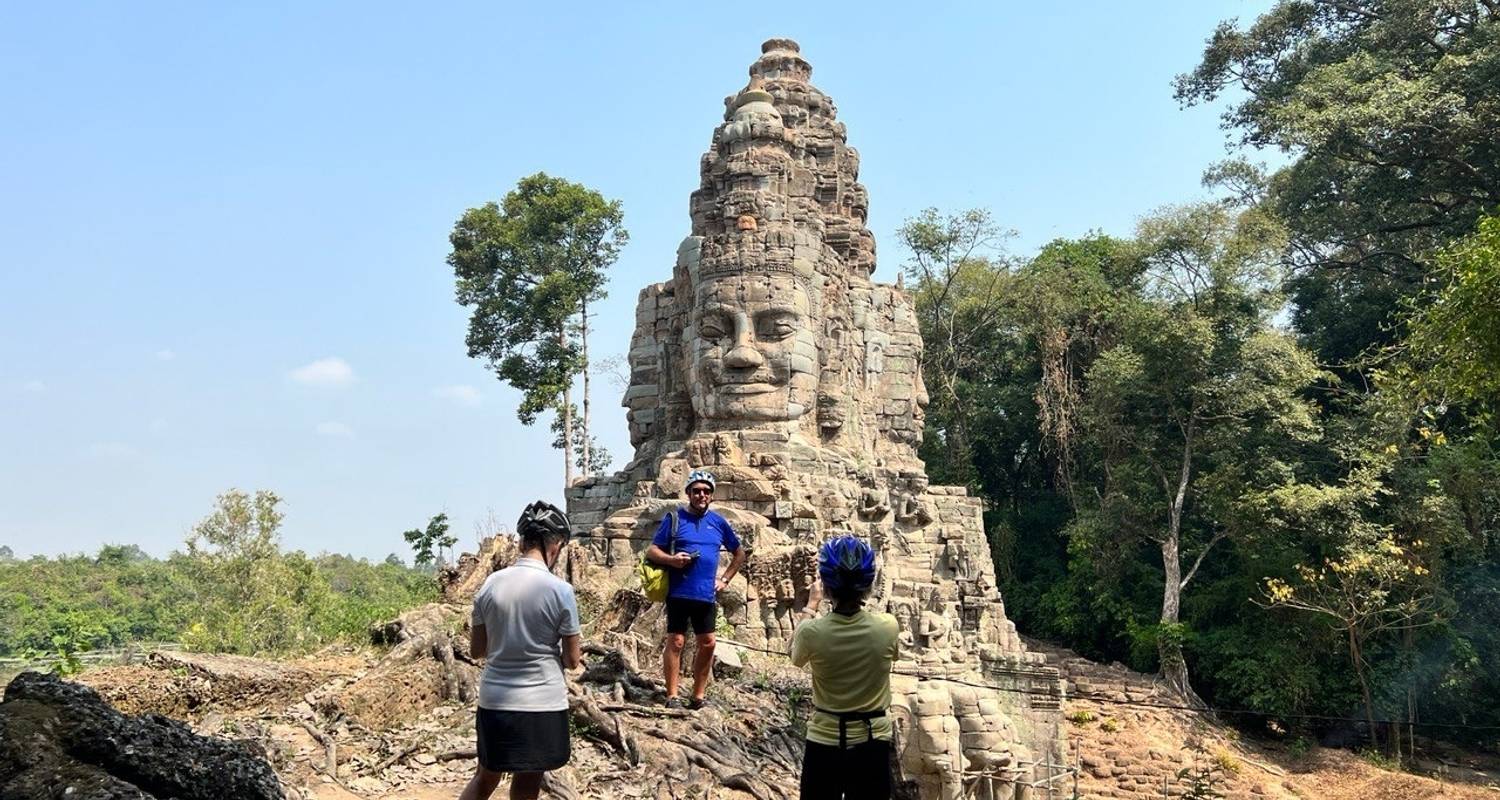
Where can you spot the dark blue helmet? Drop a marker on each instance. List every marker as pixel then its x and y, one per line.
pixel 846 565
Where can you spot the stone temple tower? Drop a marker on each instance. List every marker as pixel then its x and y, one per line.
pixel 772 359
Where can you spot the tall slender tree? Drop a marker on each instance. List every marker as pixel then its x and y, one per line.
pixel 529 267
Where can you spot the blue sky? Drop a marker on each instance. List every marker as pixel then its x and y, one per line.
pixel 223 230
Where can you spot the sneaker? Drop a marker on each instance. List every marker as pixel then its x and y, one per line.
pixel 697 703
pixel 674 702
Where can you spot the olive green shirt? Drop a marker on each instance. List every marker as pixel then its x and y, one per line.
pixel 850 658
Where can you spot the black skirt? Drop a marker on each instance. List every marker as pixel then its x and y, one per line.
pixel 522 741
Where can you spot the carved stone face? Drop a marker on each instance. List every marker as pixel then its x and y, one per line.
pixel 752 349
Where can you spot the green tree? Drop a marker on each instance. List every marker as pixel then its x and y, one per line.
pixel 427 543
pixel 121 554
pixel 1371 585
pixel 1071 301
pixel 957 275
pixel 1389 110
pixel 1062 309
pixel 1196 404
pixel 250 597
pixel 57 608
pixel 1454 342
pixel 365 593
pixel 530 267
pixel 592 456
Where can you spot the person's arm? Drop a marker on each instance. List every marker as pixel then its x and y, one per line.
pixel 731 542
pixel 801 651
pixel 479 638
pixel 569 633
pixel 809 611
pixel 572 651
pixel 479 642
pixel 734 569
pixel 656 555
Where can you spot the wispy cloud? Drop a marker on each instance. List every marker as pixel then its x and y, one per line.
pixel 165 355
pixel 111 450
pixel 35 387
pixel 331 372
pixel 459 393
pixel 335 429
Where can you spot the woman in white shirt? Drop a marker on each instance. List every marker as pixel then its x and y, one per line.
pixel 525 626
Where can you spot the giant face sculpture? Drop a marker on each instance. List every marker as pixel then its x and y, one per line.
pixel 753 350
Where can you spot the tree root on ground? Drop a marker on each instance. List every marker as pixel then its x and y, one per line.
pixel 330 748
pixel 730 765
pixel 601 725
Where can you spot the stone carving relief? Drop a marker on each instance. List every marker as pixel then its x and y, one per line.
pixel 874 504
pixel 875 344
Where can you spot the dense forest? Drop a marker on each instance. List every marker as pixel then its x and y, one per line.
pixel 231 589
pixel 1253 446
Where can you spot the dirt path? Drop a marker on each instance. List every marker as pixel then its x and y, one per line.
pixel 430 791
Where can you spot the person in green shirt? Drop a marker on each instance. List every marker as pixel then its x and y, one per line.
pixel 850 652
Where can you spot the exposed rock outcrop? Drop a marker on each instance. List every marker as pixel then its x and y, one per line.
pixel 61 740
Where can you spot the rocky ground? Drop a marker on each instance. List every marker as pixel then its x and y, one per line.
pixel 395 720
pixel 331 735
pixel 357 734
pixel 1126 750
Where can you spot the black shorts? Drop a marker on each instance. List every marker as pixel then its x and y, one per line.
pixel 703 615
pixel 859 772
pixel 522 741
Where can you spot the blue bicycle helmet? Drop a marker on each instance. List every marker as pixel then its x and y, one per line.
pixel 846 565
pixel 700 476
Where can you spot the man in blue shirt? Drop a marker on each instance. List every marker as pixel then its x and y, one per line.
pixel 692 557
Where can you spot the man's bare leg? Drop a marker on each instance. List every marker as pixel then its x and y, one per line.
pixel 703 664
pixel 671 662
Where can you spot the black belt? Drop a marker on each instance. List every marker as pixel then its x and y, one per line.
pixel 846 717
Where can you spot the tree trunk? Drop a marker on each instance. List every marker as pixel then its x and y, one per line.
pixel 567 410
pixel 588 459
pixel 1168 644
pixel 1357 658
pixel 1174 669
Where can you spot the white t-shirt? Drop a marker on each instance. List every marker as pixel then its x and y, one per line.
pixel 525 611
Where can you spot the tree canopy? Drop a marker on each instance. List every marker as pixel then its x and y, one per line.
pixel 1389 111
pixel 528 267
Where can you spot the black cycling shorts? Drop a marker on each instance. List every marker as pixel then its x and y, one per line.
pixel 860 772
pixel 703 615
